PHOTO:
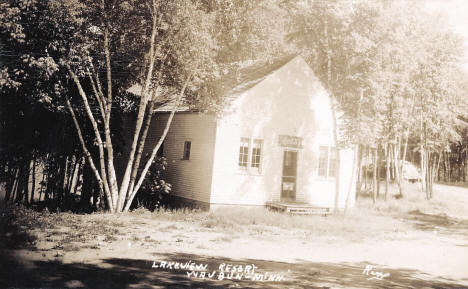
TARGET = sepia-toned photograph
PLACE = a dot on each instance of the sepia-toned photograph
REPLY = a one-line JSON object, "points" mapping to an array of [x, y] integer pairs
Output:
{"points": [[214, 144]]}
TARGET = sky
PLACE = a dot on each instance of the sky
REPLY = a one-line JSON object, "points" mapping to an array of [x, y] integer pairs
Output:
{"points": [[457, 12]]}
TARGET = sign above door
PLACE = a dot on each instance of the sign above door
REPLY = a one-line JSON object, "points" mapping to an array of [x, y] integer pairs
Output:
{"points": [[290, 141]]}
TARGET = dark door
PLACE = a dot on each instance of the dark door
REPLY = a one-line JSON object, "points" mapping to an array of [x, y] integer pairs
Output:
{"points": [[288, 183]]}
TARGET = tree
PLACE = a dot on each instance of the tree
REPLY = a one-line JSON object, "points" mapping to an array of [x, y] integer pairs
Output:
{"points": [[368, 54], [179, 50], [94, 51]]}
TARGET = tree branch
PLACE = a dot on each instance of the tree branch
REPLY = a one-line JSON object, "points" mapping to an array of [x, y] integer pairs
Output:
{"points": [[141, 144], [98, 98], [110, 151], [95, 127], [141, 111], [158, 145], [88, 154]]}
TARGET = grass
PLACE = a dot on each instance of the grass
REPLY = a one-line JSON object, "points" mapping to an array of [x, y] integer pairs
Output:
{"points": [[261, 222], [365, 220], [65, 230]]}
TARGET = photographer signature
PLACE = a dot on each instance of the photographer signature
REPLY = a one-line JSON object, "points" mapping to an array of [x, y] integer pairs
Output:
{"points": [[375, 275]]}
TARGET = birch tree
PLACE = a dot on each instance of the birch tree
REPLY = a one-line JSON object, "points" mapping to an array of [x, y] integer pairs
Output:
{"points": [[165, 45]]}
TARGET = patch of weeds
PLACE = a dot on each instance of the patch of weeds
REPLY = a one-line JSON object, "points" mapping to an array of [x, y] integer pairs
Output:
{"points": [[152, 241], [110, 238], [225, 239], [58, 246], [169, 228], [71, 248], [140, 211], [257, 230]]}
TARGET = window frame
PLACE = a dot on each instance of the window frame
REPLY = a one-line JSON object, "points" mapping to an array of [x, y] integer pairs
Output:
{"points": [[187, 152], [254, 164], [248, 164], [243, 159], [330, 151]]}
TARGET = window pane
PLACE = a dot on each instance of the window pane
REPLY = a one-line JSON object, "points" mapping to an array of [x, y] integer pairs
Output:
{"points": [[287, 158], [244, 152], [187, 147], [256, 153], [323, 161]]}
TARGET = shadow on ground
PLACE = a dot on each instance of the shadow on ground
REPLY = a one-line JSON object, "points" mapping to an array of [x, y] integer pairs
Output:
{"points": [[133, 273]]}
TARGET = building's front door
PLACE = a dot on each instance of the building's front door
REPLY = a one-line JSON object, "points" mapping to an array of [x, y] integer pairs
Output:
{"points": [[288, 183]]}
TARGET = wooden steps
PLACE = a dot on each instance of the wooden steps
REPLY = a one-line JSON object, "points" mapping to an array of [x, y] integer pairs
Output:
{"points": [[297, 208]]}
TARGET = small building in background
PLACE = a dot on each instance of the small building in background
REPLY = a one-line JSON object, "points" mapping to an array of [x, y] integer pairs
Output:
{"points": [[272, 143]]}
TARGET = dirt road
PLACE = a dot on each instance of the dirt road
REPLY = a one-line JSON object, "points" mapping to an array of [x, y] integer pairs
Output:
{"points": [[428, 250]]}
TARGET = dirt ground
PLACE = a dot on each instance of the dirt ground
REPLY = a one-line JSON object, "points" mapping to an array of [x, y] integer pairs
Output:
{"points": [[425, 246]]}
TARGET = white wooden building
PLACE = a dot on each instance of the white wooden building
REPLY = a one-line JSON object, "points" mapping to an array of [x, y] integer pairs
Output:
{"points": [[273, 143]]}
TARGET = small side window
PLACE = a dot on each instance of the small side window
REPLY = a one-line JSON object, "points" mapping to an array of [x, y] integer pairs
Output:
{"points": [[244, 152], [323, 161], [187, 147], [327, 162]]}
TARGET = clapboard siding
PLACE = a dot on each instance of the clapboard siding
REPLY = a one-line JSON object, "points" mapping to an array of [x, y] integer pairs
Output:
{"points": [[290, 101], [189, 178]]}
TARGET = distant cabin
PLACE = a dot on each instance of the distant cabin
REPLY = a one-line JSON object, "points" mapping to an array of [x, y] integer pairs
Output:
{"points": [[272, 143]]}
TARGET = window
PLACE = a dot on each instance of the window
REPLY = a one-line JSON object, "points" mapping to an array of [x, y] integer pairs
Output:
{"points": [[187, 147], [327, 162], [256, 153], [250, 153], [323, 161], [244, 152]]}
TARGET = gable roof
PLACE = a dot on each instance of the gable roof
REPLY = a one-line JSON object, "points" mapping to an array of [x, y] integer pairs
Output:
{"points": [[243, 79], [232, 84]]}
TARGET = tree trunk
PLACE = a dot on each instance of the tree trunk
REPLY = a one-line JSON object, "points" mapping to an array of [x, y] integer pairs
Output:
{"points": [[358, 145], [158, 145], [103, 174], [11, 188], [88, 155], [359, 172], [124, 192], [466, 163], [374, 175], [141, 144], [33, 184], [378, 171], [449, 154], [116, 198], [396, 147], [353, 175], [366, 177], [42, 182], [405, 148], [387, 169]]}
